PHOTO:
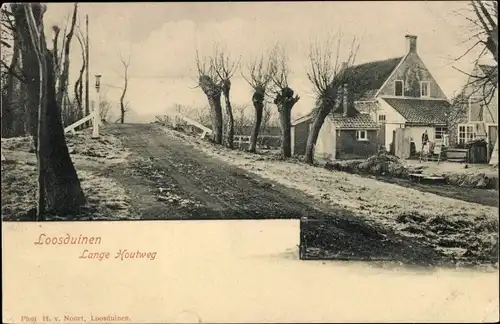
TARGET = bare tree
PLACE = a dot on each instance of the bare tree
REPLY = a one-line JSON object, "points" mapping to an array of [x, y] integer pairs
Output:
{"points": [[123, 104], [329, 78], [283, 97], [29, 68], [79, 82], [59, 186], [104, 109], [241, 119], [483, 20], [269, 120], [482, 83], [210, 84], [62, 63], [34, 24], [486, 13], [17, 119], [202, 114], [9, 72], [225, 68], [259, 78]]}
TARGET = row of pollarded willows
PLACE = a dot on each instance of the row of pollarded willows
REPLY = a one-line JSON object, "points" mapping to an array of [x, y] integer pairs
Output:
{"points": [[268, 76]]}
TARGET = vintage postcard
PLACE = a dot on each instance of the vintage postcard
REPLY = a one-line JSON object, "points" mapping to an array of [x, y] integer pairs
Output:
{"points": [[250, 162]]}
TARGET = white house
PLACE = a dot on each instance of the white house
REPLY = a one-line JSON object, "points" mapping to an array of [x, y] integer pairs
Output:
{"points": [[382, 97]]}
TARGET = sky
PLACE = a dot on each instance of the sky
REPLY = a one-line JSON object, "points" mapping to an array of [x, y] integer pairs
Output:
{"points": [[162, 39]]}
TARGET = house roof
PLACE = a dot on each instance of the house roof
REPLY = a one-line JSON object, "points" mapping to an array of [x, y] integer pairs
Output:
{"points": [[366, 106], [366, 79], [360, 121], [364, 82], [302, 119], [420, 111]]}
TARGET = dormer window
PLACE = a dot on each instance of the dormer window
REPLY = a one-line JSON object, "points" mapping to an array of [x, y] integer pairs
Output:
{"points": [[398, 88], [425, 87]]}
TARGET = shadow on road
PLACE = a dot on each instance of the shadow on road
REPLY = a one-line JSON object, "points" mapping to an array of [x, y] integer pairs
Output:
{"points": [[348, 239]]}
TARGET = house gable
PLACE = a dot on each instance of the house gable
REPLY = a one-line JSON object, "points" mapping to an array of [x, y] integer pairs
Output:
{"points": [[480, 95], [468, 105], [412, 71]]}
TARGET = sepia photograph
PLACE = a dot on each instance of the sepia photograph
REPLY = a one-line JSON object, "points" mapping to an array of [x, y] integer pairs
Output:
{"points": [[371, 127], [190, 123]]}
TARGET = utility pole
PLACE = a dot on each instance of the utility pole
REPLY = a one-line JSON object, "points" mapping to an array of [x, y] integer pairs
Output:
{"points": [[87, 102], [96, 112]]}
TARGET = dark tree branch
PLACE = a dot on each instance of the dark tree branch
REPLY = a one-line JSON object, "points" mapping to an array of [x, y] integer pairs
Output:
{"points": [[10, 70]]}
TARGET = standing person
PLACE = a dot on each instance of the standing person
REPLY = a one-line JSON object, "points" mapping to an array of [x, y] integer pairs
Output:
{"points": [[424, 148], [413, 149], [425, 138]]}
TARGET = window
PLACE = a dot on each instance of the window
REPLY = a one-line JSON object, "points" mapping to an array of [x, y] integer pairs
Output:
{"points": [[465, 133], [398, 88], [425, 89], [361, 135], [439, 133], [381, 118]]}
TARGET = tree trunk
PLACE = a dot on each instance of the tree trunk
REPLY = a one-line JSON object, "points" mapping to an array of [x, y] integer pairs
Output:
{"points": [[61, 185], [229, 111], [8, 104], [78, 100], [286, 139], [63, 190], [213, 93], [318, 122], [285, 102], [30, 69], [79, 82], [214, 102], [63, 83], [122, 112], [259, 108], [43, 144], [7, 117], [122, 98], [21, 126]]}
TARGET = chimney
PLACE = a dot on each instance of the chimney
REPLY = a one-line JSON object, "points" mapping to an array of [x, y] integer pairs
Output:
{"points": [[344, 100], [411, 43]]}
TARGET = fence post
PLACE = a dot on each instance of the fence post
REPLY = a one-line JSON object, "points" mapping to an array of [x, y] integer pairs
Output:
{"points": [[95, 122], [97, 113]]}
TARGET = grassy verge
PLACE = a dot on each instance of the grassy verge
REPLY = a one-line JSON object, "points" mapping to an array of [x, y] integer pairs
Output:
{"points": [[455, 229], [106, 200]]}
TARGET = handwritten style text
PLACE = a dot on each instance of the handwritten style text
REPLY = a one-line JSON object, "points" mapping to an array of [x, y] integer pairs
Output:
{"points": [[67, 239], [121, 255]]}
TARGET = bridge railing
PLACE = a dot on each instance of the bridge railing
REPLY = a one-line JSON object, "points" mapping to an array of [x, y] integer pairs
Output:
{"points": [[96, 122], [176, 119]]}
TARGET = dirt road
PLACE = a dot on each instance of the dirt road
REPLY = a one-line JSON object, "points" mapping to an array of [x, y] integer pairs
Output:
{"points": [[167, 180], [171, 181]]}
